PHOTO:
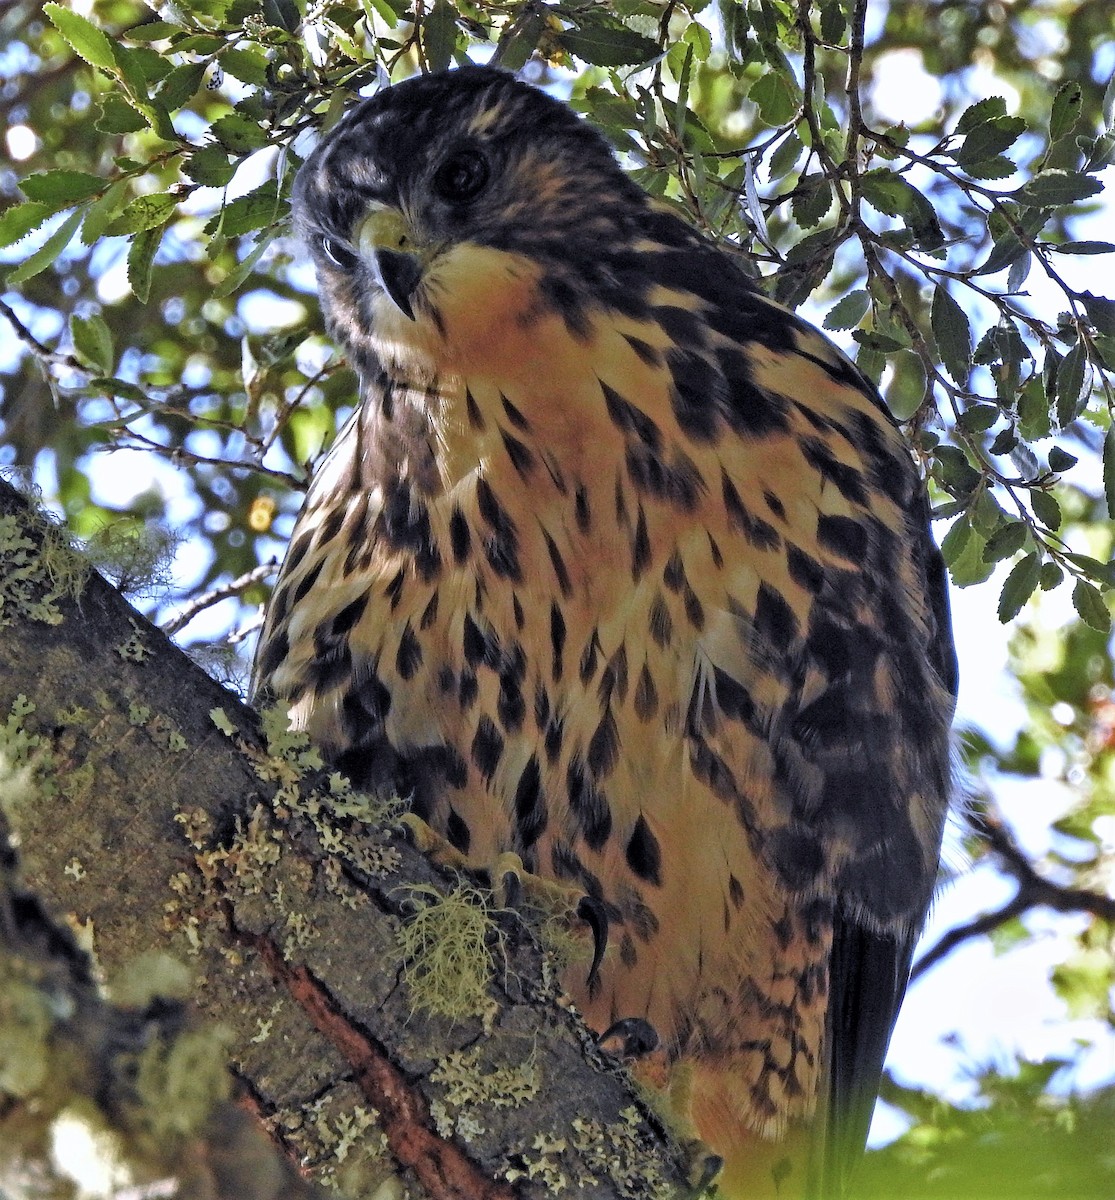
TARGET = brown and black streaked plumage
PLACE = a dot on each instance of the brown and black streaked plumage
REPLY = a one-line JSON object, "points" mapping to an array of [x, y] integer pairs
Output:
{"points": [[625, 569]]}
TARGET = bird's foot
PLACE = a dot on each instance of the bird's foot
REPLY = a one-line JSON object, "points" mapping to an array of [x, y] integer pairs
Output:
{"points": [[702, 1167], [632, 1037]]}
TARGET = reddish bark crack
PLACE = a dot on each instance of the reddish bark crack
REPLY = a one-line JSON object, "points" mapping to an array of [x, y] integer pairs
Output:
{"points": [[441, 1167]]}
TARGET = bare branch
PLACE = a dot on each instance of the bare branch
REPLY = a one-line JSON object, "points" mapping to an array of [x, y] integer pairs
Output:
{"points": [[215, 595]]}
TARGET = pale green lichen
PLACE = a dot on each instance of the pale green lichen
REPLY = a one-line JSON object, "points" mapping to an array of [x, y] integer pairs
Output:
{"points": [[38, 568], [153, 973], [133, 648], [620, 1151], [138, 714], [469, 1090], [446, 947], [25, 761], [137, 556]]}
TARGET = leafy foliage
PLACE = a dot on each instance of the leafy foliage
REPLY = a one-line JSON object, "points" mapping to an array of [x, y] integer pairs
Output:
{"points": [[160, 312]]}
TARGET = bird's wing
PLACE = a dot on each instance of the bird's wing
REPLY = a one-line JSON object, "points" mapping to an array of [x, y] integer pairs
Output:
{"points": [[844, 657]]}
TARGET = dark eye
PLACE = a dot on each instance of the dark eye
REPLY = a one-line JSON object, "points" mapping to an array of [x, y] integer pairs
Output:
{"points": [[338, 255], [461, 176]]}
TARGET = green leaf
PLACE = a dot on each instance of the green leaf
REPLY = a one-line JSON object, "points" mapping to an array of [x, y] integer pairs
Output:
{"points": [[1109, 470], [144, 212], [238, 274], [239, 134], [1061, 460], [1051, 576], [776, 98], [181, 84], [1070, 384], [85, 39], [812, 199], [983, 110], [101, 212], [282, 14], [1082, 247], [1053, 188], [783, 159], [833, 22], [439, 35], [886, 191], [141, 257], [19, 220], [251, 211], [1006, 541], [118, 116], [978, 417], [849, 311], [48, 251], [988, 140], [209, 166], [1090, 604], [1019, 586], [61, 188], [1066, 109], [955, 541], [955, 473], [249, 66], [1046, 509], [605, 44], [953, 334], [968, 567], [1101, 311], [92, 340]]}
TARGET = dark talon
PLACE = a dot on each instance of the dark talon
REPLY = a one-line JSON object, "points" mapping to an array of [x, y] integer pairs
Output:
{"points": [[512, 889], [595, 915], [704, 1170], [636, 1037]]}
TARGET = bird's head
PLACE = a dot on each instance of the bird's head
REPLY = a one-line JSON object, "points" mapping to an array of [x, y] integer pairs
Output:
{"points": [[456, 202]]}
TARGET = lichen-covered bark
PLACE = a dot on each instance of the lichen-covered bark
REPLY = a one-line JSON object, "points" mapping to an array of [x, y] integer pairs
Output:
{"points": [[162, 819]]}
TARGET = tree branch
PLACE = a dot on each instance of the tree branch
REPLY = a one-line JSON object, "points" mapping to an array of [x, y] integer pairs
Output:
{"points": [[162, 815]]}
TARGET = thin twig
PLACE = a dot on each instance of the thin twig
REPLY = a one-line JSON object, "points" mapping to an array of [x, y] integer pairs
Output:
{"points": [[41, 351], [224, 592]]}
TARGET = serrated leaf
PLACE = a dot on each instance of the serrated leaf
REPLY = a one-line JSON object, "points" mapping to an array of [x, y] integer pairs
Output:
{"points": [[982, 110], [812, 199], [953, 334], [181, 84], [1109, 470], [886, 191], [1007, 540], [1101, 311], [954, 542], [251, 211], [141, 257], [282, 14], [849, 311], [1053, 188], [783, 159], [144, 212], [101, 212], [48, 251], [249, 66], [1019, 586], [84, 38], [833, 22], [118, 116], [776, 98], [1070, 384], [19, 220], [989, 139], [978, 417], [1051, 576], [92, 340], [999, 167], [439, 35], [608, 45], [1066, 109], [1046, 509], [1061, 460], [968, 567], [61, 188], [1089, 603], [209, 166], [1086, 247], [1019, 271], [239, 134]]}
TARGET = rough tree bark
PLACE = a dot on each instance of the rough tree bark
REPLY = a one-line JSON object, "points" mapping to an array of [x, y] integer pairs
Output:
{"points": [[146, 803]]}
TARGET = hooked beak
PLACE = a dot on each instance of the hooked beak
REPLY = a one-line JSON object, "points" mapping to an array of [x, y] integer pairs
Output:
{"points": [[387, 243]]}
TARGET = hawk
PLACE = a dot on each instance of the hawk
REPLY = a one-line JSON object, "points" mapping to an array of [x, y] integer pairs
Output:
{"points": [[624, 569]]}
